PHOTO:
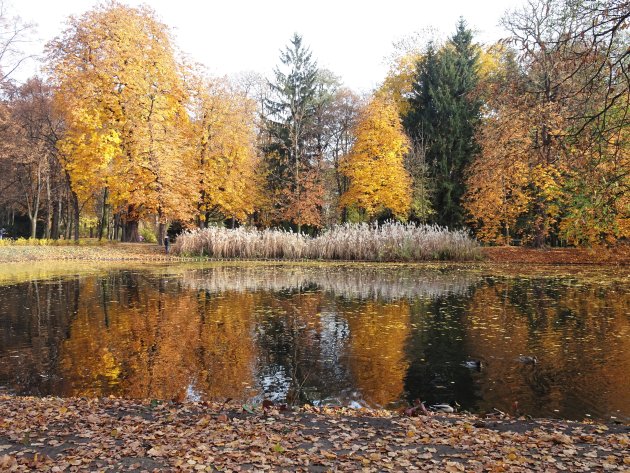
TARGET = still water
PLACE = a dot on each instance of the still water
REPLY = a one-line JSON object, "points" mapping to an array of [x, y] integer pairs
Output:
{"points": [[340, 334]]}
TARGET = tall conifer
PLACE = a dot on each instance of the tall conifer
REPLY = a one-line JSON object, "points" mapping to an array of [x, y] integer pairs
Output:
{"points": [[444, 115]]}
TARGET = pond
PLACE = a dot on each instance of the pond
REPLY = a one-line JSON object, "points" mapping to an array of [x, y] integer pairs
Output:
{"points": [[373, 335]]}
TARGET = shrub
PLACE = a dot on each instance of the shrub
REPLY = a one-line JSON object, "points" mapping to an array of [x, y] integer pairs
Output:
{"points": [[148, 235], [51, 242]]}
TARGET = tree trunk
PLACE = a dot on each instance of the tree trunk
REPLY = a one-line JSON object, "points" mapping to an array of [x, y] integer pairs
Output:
{"points": [[297, 185], [116, 225], [68, 227], [200, 213], [75, 208], [132, 234], [161, 228], [33, 219], [55, 220], [161, 233], [49, 206], [507, 233], [101, 225], [540, 228]]}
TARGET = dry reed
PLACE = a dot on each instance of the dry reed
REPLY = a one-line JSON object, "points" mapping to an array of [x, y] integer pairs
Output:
{"points": [[391, 241]]}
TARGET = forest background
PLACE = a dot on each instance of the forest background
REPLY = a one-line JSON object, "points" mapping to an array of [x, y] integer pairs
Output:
{"points": [[522, 141]]}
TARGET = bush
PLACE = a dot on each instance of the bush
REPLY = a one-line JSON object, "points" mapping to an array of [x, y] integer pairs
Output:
{"points": [[359, 242], [51, 242], [148, 235]]}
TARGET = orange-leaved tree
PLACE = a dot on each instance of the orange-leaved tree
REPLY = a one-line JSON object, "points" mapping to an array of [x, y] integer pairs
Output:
{"points": [[374, 166], [120, 90], [225, 157]]}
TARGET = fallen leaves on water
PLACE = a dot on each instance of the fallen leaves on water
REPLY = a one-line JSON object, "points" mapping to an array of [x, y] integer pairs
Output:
{"points": [[66, 435]]}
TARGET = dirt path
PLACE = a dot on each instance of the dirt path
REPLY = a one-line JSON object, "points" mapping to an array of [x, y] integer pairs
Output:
{"points": [[53, 434]]}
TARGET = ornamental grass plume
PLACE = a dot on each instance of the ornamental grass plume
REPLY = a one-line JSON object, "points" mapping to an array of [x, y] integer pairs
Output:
{"points": [[391, 241]]}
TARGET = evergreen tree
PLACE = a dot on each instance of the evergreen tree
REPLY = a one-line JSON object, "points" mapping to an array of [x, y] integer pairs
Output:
{"points": [[290, 116], [444, 115]]}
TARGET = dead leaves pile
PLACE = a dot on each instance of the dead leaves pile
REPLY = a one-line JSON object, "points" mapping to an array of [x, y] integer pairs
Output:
{"points": [[52, 434]]}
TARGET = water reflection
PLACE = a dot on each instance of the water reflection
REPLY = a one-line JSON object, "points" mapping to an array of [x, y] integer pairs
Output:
{"points": [[353, 282], [322, 334]]}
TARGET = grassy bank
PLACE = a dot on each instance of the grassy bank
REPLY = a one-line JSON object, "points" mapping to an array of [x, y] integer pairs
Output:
{"points": [[356, 242], [53, 434], [86, 251], [34, 250]]}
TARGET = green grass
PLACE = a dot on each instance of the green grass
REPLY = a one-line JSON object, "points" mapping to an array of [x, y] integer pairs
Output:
{"points": [[49, 242]]}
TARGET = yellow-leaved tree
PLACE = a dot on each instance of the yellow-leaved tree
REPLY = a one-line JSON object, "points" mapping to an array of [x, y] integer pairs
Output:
{"points": [[120, 91], [225, 156], [374, 165]]}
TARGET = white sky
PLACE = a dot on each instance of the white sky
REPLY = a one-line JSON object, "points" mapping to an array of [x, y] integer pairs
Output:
{"points": [[352, 38]]}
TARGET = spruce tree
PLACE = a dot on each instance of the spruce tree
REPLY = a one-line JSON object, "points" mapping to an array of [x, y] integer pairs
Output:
{"points": [[444, 115], [288, 122]]}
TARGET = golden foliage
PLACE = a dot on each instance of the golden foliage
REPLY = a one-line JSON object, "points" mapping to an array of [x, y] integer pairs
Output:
{"points": [[225, 151], [398, 83], [120, 91], [378, 179], [547, 169], [516, 174], [303, 208]]}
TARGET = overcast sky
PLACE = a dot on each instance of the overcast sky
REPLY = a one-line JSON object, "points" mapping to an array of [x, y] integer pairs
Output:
{"points": [[352, 38]]}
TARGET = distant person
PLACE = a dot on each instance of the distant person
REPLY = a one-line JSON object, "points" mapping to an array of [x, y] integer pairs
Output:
{"points": [[166, 243]]}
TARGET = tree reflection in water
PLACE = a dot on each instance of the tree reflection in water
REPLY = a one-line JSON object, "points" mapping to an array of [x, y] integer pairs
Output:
{"points": [[378, 336]]}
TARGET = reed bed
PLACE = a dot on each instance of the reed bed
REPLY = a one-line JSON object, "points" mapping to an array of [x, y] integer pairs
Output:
{"points": [[391, 241]]}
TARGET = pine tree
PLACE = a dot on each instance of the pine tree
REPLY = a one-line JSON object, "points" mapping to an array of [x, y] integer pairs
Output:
{"points": [[444, 115]]}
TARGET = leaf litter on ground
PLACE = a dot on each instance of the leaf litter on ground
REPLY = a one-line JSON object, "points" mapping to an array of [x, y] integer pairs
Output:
{"points": [[125, 435]]}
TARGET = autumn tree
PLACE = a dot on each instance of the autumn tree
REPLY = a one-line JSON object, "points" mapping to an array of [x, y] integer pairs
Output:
{"points": [[399, 85], [22, 169], [378, 181], [343, 112], [403, 65], [443, 118], [225, 152], [555, 141], [120, 91], [29, 160], [499, 180]]}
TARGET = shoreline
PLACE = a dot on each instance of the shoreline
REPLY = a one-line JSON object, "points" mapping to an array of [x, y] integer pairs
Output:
{"points": [[152, 253], [78, 434]]}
